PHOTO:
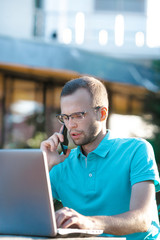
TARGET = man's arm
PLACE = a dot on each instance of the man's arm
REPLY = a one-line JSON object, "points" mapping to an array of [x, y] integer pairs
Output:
{"points": [[137, 219]]}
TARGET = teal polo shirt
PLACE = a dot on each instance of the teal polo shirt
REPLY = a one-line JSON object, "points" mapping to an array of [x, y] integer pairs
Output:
{"points": [[100, 184]]}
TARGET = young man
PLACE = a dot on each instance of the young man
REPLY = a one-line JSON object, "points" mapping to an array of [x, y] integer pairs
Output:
{"points": [[105, 183]]}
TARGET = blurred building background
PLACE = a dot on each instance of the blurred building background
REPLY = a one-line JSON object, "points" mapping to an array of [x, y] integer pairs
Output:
{"points": [[124, 28], [44, 43]]}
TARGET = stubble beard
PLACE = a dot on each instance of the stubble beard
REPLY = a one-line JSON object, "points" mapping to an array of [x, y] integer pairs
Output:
{"points": [[88, 137]]}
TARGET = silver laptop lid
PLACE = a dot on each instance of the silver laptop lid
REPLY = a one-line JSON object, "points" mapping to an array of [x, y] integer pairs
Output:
{"points": [[26, 205]]}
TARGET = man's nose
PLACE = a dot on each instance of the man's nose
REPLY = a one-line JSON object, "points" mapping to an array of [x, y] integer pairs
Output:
{"points": [[71, 123]]}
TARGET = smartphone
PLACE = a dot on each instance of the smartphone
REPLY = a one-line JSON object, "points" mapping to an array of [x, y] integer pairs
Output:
{"points": [[64, 144]]}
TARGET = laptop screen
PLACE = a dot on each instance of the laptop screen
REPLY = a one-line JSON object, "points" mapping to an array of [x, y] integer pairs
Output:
{"points": [[26, 205]]}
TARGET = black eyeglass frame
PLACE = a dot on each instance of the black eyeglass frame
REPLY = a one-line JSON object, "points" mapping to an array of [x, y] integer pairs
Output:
{"points": [[60, 116]]}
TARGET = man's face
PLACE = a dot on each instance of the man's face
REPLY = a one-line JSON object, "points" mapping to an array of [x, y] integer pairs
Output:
{"points": [[86, 130]]}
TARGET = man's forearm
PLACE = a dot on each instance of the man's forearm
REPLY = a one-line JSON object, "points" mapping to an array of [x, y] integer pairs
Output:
{"points": [[122, 224]]}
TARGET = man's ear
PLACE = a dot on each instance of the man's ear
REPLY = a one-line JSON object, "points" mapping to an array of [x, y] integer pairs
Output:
{"points": [[104, 113]]}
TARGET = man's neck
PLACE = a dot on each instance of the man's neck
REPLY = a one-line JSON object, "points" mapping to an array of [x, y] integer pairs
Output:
{"points": [[86, 149]]}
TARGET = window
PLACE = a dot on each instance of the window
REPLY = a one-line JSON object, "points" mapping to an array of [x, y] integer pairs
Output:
{"points": [[28, 110], [24, 112], [120, 5]]}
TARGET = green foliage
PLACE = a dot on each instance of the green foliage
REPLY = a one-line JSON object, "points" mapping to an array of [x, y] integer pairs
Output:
{"points": [[155, 142], [152, 108], [152, 115], [36, 140], [156, 65]]}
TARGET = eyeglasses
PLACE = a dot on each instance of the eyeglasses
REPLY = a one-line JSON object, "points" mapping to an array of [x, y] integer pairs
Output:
{"points": [[77, 116]]}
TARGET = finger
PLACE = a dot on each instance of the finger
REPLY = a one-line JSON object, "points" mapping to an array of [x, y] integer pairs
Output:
{"points": [[58, 212], [60, 220], [49, 144], [53, 141], [46, 145], [61, 129], [70, 222], [62, 216], [59, 137]]}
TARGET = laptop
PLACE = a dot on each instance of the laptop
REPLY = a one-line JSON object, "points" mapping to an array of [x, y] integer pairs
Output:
{"points": [[26, 203]]}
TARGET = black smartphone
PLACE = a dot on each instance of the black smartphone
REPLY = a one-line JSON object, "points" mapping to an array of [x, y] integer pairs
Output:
{"points": [[64, 144]]}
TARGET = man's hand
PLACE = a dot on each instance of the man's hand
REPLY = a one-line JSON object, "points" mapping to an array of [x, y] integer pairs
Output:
{"points": [[68, 218], [137, 219], [50, 146]]}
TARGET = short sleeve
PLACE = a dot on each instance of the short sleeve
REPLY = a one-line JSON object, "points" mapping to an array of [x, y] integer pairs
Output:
{"points": [[143, 164]]}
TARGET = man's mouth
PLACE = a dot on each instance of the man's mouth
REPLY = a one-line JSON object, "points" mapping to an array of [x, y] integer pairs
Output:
{"points": [[75, 135]]}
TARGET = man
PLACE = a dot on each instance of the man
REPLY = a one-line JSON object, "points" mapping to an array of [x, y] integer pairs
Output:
{"points": [[105, 183]]}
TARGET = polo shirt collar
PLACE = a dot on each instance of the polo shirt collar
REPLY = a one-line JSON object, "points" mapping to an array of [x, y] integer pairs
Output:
{"points": [[104, 146]]}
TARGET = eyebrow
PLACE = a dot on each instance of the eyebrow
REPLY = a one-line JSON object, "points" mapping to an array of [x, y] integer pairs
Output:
{"points": [[64, 114]]}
